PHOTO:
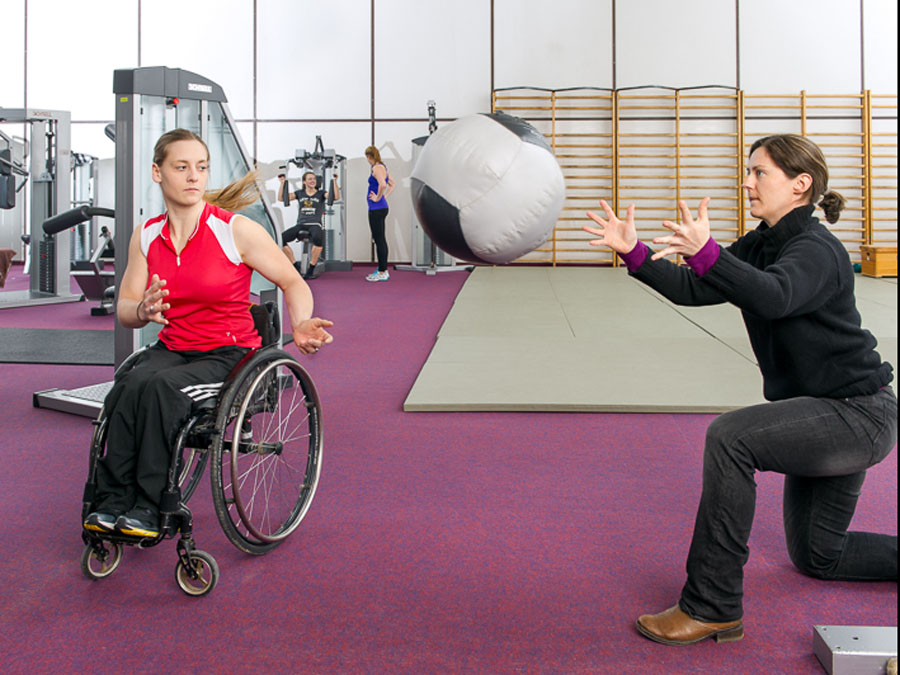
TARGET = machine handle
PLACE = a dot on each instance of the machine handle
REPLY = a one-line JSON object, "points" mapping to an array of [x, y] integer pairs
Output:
{"points": [[71, 218]]}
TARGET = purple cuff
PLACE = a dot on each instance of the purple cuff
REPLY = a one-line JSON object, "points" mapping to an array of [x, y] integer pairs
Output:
{"points": [[705, 258], [635, 257]]}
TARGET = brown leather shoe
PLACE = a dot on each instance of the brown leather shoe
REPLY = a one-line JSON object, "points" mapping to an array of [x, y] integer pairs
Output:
{"points": [[674, 627]]}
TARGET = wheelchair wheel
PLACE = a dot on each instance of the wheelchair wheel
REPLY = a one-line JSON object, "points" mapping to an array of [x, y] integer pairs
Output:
{"points": [[267, 461], [100, 560], [200, 577]]}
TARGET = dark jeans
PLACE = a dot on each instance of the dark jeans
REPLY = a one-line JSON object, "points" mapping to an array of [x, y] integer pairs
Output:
{"points": [[146, 407], [823, 446], [376, 224]]}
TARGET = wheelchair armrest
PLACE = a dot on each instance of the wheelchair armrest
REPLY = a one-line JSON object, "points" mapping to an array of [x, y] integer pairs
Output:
{"points": [[265, 320]]}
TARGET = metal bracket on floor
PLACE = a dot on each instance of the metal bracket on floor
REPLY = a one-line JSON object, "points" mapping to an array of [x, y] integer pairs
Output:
{"points": [[843, 650]]}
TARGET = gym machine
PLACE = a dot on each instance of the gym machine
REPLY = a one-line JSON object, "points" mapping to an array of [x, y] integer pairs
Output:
{"points": [[325, 163], [11, 165], [50, 156], [427, 257], [149, 102], [93, 278]]}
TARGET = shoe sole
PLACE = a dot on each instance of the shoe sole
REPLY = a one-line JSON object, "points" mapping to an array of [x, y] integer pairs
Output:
{"points": [[135, 532], [725, 635], [98, 528]]}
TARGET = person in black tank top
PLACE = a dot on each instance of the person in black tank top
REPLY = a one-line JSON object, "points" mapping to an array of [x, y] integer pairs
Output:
{"points": [[311, 201]]}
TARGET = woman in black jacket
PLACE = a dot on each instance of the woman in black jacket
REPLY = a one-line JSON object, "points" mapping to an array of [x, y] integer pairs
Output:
{"points": [[831, 414]]}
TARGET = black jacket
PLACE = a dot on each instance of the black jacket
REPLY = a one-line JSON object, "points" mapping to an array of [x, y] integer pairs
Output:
{"points": [[794, 286]]}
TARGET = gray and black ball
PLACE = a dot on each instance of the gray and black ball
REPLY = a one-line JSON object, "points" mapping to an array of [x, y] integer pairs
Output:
{"points": [[487, 188]]}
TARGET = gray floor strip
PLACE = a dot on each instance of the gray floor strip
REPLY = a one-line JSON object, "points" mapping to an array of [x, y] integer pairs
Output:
{"points": [[595, 340]]}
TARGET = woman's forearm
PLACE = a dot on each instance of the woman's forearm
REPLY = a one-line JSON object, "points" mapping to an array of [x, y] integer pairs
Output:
{"points": [[128, 313]]}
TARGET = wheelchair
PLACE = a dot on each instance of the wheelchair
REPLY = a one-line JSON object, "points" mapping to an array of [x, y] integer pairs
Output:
{"points": [[262, 436]]}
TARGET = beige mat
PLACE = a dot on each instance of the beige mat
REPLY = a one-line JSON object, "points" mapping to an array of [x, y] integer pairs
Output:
{"points": [[593, 339]]}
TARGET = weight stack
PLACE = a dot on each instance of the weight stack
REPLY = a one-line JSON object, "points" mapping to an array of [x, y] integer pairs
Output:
{"points": [[47, 250]]}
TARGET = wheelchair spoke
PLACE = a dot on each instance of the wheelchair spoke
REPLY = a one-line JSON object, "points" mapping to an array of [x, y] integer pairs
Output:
{"points": [[268, 479]]}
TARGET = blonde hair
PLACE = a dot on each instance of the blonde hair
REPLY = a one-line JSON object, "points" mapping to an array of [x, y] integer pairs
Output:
{"points": [[235, 196], [372, 152]]}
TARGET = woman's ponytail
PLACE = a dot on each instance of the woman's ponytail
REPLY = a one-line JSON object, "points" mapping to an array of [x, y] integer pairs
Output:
{"points": [[832, 204], [237, 194]]}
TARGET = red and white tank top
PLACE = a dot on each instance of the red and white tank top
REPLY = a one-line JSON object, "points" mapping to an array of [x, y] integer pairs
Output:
{"points": [[208, 283]]}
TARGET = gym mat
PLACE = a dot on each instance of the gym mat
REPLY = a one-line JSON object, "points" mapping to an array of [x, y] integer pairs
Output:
{"points": [[56, 346], [595, 340]]}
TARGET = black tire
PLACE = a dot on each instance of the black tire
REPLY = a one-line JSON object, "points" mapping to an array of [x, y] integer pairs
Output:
{"points": [[263, 486], [100, 565], [201, 578]]}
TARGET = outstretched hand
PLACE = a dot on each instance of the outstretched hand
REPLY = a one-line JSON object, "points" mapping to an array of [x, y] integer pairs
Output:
{"points": [[688, 237], [310, 335], [619, 235], [151, 306]]}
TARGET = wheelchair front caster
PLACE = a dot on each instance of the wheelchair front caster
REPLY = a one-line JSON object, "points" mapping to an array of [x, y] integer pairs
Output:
{"points": [[200, 576], [100, 559]]}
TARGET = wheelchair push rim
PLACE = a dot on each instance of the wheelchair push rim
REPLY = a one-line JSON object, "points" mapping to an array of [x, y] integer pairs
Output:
{"points": [[268, 474]]}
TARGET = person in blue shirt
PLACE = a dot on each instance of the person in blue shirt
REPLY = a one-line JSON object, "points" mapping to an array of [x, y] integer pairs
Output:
{"points": [[380, 186]]}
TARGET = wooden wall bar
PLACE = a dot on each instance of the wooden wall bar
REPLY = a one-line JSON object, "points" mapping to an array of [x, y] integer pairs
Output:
{"points": [[653, 146]]}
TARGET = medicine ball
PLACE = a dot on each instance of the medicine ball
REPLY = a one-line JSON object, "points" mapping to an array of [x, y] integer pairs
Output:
{"points": [[487, 188]]}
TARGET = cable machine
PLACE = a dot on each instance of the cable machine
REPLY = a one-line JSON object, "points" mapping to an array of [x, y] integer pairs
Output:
{"points": [[325, 163], [50, 155], [427, 257]]}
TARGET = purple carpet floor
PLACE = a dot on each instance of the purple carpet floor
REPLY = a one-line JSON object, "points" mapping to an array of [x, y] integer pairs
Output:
{"points": [[437, 542]]}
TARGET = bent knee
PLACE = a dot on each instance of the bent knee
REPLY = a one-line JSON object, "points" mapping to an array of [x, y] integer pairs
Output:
{"points": [[812, 565], [723, 437]]}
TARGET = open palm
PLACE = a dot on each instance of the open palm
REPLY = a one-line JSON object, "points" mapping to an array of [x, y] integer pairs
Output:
{"points": [[619, 235]]}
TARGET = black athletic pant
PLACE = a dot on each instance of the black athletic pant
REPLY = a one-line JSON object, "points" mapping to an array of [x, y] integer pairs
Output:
{"points": [[823, 446], [146, 407], [316, 233], [376, 224]]}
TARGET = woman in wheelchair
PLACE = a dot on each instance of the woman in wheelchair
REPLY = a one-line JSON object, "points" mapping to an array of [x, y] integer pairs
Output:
{"points": [[189, 270]]}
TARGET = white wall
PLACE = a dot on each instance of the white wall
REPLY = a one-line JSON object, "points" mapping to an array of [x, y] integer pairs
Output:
{"points": [[211, 37], [880, 46], [675, 44], [811, 45], [12, 84], [563, 43], [313, 59], [307, 71]]}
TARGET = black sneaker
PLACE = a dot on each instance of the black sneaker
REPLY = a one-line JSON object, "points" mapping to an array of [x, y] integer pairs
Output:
{"points": [[98, 521], [299, 268], [139, 522], [312, 271]]}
